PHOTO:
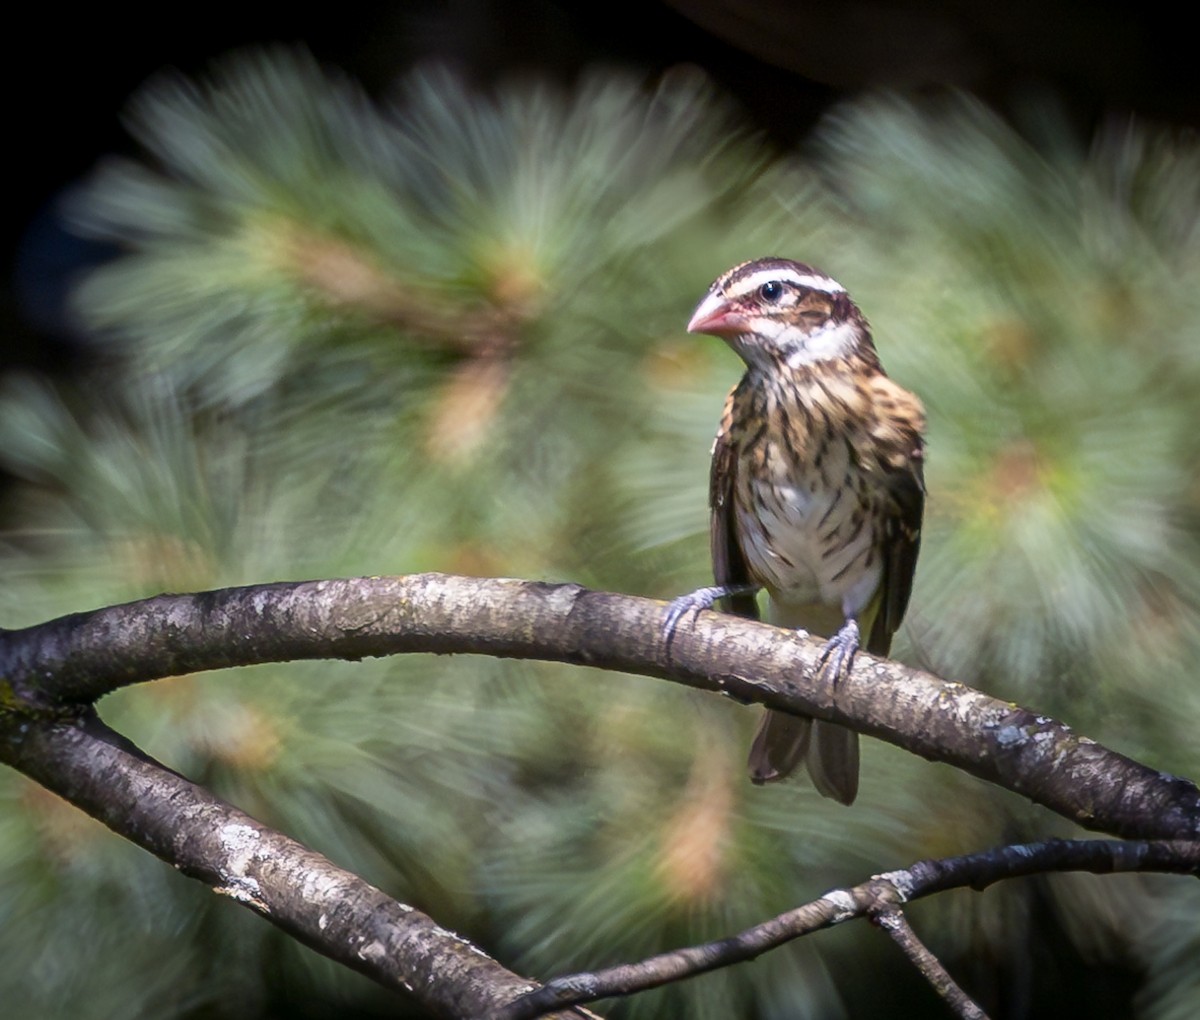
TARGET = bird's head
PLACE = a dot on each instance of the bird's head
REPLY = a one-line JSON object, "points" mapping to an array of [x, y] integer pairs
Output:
{"points": [[775, 311]]}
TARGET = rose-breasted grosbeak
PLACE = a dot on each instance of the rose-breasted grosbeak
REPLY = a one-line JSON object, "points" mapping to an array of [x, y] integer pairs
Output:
{"points": [[816, 490]]}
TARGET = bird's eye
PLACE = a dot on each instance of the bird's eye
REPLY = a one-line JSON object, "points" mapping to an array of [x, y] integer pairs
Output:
{"points": [[771, 291]]}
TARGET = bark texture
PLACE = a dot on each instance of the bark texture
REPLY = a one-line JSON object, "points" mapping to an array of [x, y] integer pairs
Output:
{"points": [[57, 666]]}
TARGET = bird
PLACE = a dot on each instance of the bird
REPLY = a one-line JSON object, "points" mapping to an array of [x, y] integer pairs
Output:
{"points": [[816, 491]]}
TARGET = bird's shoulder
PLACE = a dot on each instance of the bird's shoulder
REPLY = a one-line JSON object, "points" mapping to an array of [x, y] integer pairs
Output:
{"points": [[894, 442], [898, 414]]}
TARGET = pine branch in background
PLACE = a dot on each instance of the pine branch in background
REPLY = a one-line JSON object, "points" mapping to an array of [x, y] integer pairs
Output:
{"points": [[1042, 308], [446, 333]]}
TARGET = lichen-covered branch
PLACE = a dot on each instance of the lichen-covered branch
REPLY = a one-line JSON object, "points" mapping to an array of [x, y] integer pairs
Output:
{"points": [[879, 895], [76, 659], [330, 909]]}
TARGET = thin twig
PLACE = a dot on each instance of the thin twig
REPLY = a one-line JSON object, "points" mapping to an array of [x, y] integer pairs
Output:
{"points": [[885, 891], [893, 921]]}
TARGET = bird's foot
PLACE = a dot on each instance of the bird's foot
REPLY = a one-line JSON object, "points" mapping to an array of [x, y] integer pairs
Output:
{"points": [[839, 651], [695, 602]]}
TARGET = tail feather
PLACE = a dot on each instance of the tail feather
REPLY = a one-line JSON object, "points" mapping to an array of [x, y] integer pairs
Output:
{"points": [[830, 752], [779, 745], [833, 761]]}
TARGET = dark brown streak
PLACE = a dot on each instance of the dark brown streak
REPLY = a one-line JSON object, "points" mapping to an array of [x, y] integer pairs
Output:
{"points": [[841, 573], [837, 499], [822, 449], [785, 430], [858, 518]]}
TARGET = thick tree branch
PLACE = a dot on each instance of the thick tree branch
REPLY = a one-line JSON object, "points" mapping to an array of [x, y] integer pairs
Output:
{"points": [[881, 894], [76, 659], [50, 675], [329, 909]]}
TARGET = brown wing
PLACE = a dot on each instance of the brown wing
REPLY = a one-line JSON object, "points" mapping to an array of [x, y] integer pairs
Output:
{"points": [[904, 470], [729, 565]]}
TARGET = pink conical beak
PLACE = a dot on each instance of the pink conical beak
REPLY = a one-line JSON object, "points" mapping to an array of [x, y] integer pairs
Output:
{"points": [[715, 316]]}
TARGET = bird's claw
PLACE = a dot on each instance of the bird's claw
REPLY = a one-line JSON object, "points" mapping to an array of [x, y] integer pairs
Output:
{"points": [[690, 604], [695, 602], [840, 650]]}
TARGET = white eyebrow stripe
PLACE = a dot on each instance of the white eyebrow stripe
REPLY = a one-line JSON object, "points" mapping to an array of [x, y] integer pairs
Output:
{"points": [[822, 283], [783, 273]]}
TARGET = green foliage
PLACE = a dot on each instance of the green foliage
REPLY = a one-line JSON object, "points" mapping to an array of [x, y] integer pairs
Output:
{"points": [[1046, 326], [446, 333]]}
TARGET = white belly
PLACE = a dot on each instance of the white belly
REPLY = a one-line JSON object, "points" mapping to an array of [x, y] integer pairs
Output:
{"points": [[808, 545]]}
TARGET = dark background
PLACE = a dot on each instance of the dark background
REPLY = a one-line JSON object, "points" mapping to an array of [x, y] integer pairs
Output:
{"points": [[786, 63]]}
